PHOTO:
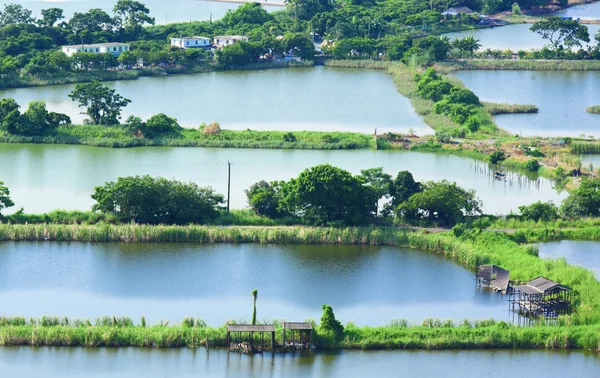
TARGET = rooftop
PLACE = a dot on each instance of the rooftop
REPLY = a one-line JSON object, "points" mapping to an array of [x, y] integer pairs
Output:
{"points": [[541, 285], [94, 45], [231, 37], [195, 37], [250, 328], [297, 325], [496, 276], [459, 10]]}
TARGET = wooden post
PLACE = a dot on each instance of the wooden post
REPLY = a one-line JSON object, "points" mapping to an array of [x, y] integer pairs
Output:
{"points": [[228, 185], [272, 340], [228, 339], [283, 335]]}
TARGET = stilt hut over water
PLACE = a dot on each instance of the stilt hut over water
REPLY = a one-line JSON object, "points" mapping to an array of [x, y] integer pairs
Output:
{"points": [[300, 335], [493, 277], [244, 336], [542, 297]]}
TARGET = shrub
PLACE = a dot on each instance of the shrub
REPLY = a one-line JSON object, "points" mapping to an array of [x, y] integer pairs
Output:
{"points": [[212, 129], [289, 137], [473, 124], [161, 123], [539, 211], [532, 165], [497, 156]]}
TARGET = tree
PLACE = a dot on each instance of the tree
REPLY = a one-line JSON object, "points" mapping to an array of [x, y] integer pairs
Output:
{"points": [[14, 14], [329, 325], [263, 199], [299, 44], [467, 45], [132, 15], [558, 32], [102, 103], [35, 118], [161, 123], [247, 14], [539, 211], [254, 296], [148, 200], [379, 181], [583, 201], [441, 202], [5, 201], [496, 157], [307, 9], [127, 58], [403, 187], [238, 54], [324, 194], [51, 16]]}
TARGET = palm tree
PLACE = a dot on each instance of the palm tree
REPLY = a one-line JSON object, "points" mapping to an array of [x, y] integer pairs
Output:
{"points": [[467, 45], [254, 295]]}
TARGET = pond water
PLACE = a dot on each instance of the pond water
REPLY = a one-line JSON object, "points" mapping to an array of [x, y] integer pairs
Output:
{"points": [[132, 363], [582, 253], [512, 37], [561, 96], [365, 284], [585, 11], [47, 177], [317, 98], [163, 11]]}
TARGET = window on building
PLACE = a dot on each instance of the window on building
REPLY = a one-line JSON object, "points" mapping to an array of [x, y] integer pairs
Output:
{"points": [[120, 49], [97, 49]]}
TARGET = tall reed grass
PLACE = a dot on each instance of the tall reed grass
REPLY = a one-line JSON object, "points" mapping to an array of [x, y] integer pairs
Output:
{"points": [[594, 109], [193, 333], [496, 109], [590, 148], [521, 64]]}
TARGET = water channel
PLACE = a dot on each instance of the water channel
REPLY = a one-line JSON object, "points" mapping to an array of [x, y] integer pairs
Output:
{"points": [[582, 253], [47, 177], [163, 11], [513, 37], [183, 363], [365, 284], [317, 98], [561, 96]]}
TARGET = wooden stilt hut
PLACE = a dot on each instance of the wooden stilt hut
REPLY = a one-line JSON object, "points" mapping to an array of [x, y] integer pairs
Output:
{"points": [[300, 335], [244, 337], [492, 277], [542, 297]]}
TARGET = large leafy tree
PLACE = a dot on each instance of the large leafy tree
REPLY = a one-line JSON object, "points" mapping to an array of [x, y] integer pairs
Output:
{"points": [[263, 199], [307, 9], [441, 203], [583, 201], [247, 14], [51, 16], [324, 194], [403, 187], [149, 200], [379, 181], [5, 200], [467, 45], [561, 32], [132, 13], [14, 14], [103, 105]]}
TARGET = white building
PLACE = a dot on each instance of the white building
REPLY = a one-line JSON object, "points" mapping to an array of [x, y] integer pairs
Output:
{"points": [[114, 48], [456, 11], [190, 42], [227, 40]]}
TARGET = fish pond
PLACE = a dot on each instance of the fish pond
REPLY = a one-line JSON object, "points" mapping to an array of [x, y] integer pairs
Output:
{"points": [[47, 177], [368, 285], [183, 363]]}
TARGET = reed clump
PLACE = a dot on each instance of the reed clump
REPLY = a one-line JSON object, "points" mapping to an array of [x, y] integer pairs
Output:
{"points": [[193, 333], [585, 148], [594, 109], [497, 109]]}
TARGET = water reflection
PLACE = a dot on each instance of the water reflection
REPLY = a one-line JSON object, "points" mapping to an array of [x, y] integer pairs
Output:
{"points": [[366, 284]]}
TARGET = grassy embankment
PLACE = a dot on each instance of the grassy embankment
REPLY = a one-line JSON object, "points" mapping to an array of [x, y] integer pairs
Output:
{"points": [[579, 330], [118, 136], [520, 64], [87, 76]]}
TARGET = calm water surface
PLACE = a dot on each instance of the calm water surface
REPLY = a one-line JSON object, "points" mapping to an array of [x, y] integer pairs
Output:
{"points": [[365, 284], [512, 37], [289, 99], [163, 11], [147, 363], [46, 177], [587, 11], [561, 97], [582, 253]]}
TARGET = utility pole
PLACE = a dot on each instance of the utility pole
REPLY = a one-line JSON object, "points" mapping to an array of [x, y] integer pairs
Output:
{"points": [[228, 185]]}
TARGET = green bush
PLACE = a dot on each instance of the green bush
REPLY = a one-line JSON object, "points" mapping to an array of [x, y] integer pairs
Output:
{"points": [[532, 165], [497, 156]]}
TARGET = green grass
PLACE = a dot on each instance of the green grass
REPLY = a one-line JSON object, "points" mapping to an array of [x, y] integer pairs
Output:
{"points": [[594, 109], [521, 64], [71, 77], [496, 109], [433, 334], [579, 148], [120, 137]]}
